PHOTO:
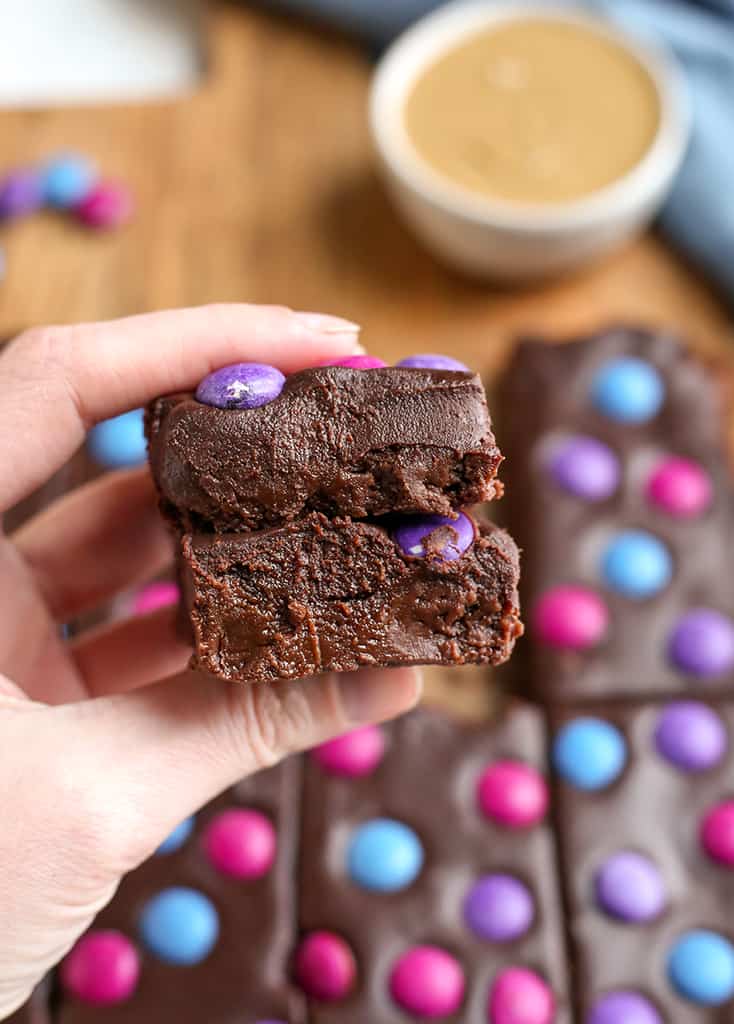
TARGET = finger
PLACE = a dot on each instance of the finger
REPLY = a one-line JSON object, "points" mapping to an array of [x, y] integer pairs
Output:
{"points": [[123, 656], [58, 381], [95, 542], [165, 750]]}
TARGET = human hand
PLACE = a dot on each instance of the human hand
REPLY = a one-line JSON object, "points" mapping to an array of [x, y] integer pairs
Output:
{"points": [[98, 763]]}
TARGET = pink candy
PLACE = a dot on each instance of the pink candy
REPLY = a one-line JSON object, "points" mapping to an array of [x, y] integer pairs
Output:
{"points": [[681, 488], [102, 968], [519, 996], [359, 362], [570, 618], [241, 843], [325, 966], [428, 982], [717, 833], [513, 794], [355, 754], [162, 594], [108, 205]]}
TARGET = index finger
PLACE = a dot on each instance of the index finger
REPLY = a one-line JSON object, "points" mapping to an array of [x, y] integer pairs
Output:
{"points": [[57, 382]]}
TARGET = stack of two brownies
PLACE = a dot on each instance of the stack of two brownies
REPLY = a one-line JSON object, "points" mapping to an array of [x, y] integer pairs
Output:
{"points": [[322, 519]]}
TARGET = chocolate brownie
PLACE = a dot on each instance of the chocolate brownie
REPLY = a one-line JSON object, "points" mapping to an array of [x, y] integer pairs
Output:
{"points": [[203, 930], [646, 823], [336, 440], [620, 496], [320, 595], [428, 881]]}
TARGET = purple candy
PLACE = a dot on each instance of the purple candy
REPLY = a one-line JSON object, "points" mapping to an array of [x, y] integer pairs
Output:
{"points": [[690, 735], [21, 192], [499, 908], [433, 361], [585, 468], [702, 643], [241, 386], [630, 887], [412, 533], [623, 1008]]}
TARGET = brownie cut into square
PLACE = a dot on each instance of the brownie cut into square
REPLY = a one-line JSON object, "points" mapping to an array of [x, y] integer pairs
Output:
{"points": [[335, 595], [335, 440], [619, 493], [644, 809], [434, 833], [234, 863]]}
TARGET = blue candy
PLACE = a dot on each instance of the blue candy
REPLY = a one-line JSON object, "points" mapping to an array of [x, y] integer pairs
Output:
{"points": [[589, 753], [384, 855], [67, 180], [177, 838], [119, 442], [179, 925], [628, 390], [701, 967], [637, 564]]}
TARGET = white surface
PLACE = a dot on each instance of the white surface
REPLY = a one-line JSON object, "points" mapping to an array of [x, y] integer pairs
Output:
{"points": [[514, 241], [55, 52]]}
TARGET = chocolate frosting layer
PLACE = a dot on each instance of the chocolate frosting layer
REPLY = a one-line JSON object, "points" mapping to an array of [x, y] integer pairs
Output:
{"points": [[337, 440], [333, 595]]}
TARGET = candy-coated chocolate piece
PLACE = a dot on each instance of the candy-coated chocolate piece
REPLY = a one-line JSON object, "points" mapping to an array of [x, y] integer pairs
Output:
{"points": [[241, 843], [681, 488], [513, 794], [628, 390], [570, 618], [630, 887], [359, 362], [701, 967], [499, 908], [161, 594], [176, 839], [520, 996], [691, 735], [702, 643], [102, 969], [384, 855], [428, 982], [416, 536], [108, 205], [325, 966], [352, 755], [717, 834], [68, 179], [241, 386], [637, 564], [433, 361], [623, 1008], [179, 925], [585, 468], [21, 192], [589, 753], [119, 442]]}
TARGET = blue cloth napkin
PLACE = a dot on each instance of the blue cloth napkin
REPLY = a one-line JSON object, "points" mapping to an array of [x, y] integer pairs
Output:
{"points": [[699, 214]]}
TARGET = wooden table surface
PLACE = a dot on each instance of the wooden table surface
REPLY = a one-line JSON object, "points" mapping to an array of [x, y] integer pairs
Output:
{"points": [[260, 187]]}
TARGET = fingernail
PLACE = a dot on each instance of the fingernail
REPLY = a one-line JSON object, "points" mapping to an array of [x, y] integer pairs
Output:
{"points": [[323, 324], [375, 696]]}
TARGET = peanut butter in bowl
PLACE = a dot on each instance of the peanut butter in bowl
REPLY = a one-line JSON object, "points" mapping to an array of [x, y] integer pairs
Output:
{"points": [[534, 110], [519, 140]]}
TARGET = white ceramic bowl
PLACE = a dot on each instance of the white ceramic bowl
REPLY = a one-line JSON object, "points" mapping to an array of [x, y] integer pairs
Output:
{"points": [[512, 241]]}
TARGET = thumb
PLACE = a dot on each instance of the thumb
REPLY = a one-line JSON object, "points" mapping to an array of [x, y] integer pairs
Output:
{"points": [[160, 753], [89, 790]]}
